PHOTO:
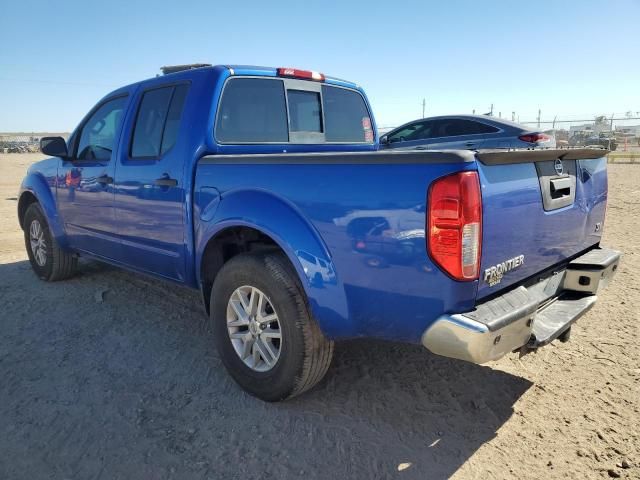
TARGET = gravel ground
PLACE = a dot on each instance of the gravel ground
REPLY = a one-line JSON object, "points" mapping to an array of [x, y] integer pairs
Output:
{"points": [[114, 375]]}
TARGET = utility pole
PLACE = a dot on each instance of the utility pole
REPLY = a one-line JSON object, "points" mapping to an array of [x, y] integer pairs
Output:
{"points": [[539, 113], [499, 114], [424, 105], [611, 131], [513, 116], [491, 114]]}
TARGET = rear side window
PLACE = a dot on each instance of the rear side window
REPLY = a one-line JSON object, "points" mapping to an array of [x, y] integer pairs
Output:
{"points": [[173, 118], [458, 127], [157, 122], [252, 110], [346, 116]]}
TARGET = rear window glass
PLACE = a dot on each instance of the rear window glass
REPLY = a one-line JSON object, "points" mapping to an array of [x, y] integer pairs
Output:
{"points": [[304, 111], [346, 116], [252, 110]]}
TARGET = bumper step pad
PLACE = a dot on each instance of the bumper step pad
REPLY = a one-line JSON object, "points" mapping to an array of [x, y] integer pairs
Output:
{"points": [[556, 318]]}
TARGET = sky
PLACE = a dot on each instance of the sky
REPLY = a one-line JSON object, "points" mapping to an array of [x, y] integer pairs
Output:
{"points": [[570, 58]]}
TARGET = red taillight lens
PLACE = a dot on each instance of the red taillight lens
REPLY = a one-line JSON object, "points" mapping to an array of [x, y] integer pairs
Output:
{"points": [[454, 225], [304, 74], [535, 137]]}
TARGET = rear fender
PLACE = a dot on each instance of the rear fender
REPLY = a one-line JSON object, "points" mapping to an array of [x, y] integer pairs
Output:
{"points": [[287, 227], [36, 185]]}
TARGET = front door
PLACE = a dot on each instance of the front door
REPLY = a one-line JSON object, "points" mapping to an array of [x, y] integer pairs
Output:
{"points": [[85, 181], [149, 185]]}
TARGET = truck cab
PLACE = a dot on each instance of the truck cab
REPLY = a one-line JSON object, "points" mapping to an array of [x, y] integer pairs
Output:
{"points": [[122, 189]]}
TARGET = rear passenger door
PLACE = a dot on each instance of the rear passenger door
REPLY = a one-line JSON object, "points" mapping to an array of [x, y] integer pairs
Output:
{"points": [[149, 184]]}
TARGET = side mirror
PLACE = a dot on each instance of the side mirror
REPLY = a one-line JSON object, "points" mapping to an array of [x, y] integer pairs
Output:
{"points": [[54, 146], [384, 140]]}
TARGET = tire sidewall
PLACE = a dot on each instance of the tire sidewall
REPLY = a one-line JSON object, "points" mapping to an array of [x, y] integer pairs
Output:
{"points": [[276, 282], [34, 212]]}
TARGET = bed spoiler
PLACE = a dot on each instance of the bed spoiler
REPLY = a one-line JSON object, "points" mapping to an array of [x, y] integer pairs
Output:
{"points": [[505, 157]]}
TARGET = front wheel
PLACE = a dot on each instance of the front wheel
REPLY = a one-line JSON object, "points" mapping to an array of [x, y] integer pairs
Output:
{"points": [[263, 329], [47, 259]]}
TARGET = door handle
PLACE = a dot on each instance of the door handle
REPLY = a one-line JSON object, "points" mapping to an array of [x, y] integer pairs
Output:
{"points": [[104, 179], [470, 144], [165, 181]]}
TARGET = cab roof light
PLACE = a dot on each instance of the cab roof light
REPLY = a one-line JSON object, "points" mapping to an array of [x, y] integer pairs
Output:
{"points": [[303, 74]]}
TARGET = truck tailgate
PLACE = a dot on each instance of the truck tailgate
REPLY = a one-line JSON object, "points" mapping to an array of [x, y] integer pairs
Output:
{"points": [[540, 208]]}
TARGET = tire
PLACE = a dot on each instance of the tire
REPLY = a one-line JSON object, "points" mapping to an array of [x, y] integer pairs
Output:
{"points": [[303, 352], [48, 260]]}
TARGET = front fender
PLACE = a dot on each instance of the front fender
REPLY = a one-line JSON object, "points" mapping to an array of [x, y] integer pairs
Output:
{"points": [[297, 237], [42, 187]]}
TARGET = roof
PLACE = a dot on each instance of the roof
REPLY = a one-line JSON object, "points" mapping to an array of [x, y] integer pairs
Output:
{"points": [[481, 118], [237, 70]]}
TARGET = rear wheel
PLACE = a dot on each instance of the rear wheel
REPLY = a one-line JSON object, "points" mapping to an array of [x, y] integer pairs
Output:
{"points": [[264, 331], [47, 259]]}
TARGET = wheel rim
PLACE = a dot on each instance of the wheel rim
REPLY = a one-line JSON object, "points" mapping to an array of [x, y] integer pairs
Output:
{"points": [[38, 244], [254, 328]]}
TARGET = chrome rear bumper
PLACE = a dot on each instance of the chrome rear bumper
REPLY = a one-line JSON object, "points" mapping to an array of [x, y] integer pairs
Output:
{"points": [[525, 317]]}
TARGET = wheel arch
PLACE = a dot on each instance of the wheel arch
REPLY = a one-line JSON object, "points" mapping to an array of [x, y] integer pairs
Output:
{"points": [[252, 220], [36, 189]]}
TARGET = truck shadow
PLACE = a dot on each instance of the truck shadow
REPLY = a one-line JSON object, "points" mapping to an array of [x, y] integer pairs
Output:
{"points": [[426, 413], [113, 372]]}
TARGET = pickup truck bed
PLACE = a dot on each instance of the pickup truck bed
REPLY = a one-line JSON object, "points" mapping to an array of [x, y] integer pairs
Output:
{"points": [[363, 215]]}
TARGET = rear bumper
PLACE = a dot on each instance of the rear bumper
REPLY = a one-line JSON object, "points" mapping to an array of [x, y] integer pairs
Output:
{"points": [[525, 317]]}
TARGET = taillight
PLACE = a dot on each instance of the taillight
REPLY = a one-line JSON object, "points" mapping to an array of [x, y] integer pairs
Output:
{"points": [[535, 137], [454, 224], [303, 74]]}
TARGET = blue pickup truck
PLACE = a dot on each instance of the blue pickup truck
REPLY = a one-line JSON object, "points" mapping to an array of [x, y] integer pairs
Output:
{"points": [[264, 189]]}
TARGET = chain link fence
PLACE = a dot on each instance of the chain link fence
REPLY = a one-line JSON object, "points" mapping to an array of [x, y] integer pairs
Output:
{"points": [[618, 133], [24, 142]]}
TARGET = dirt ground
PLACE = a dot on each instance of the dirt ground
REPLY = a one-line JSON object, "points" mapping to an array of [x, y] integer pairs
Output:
{"points": [[113, 375]]}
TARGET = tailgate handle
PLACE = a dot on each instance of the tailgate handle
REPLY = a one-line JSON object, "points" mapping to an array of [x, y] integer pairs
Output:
{"points": [[560, 187]]}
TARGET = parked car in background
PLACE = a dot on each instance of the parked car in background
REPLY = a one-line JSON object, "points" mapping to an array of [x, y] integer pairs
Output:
{"points": [[465, 132]]}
